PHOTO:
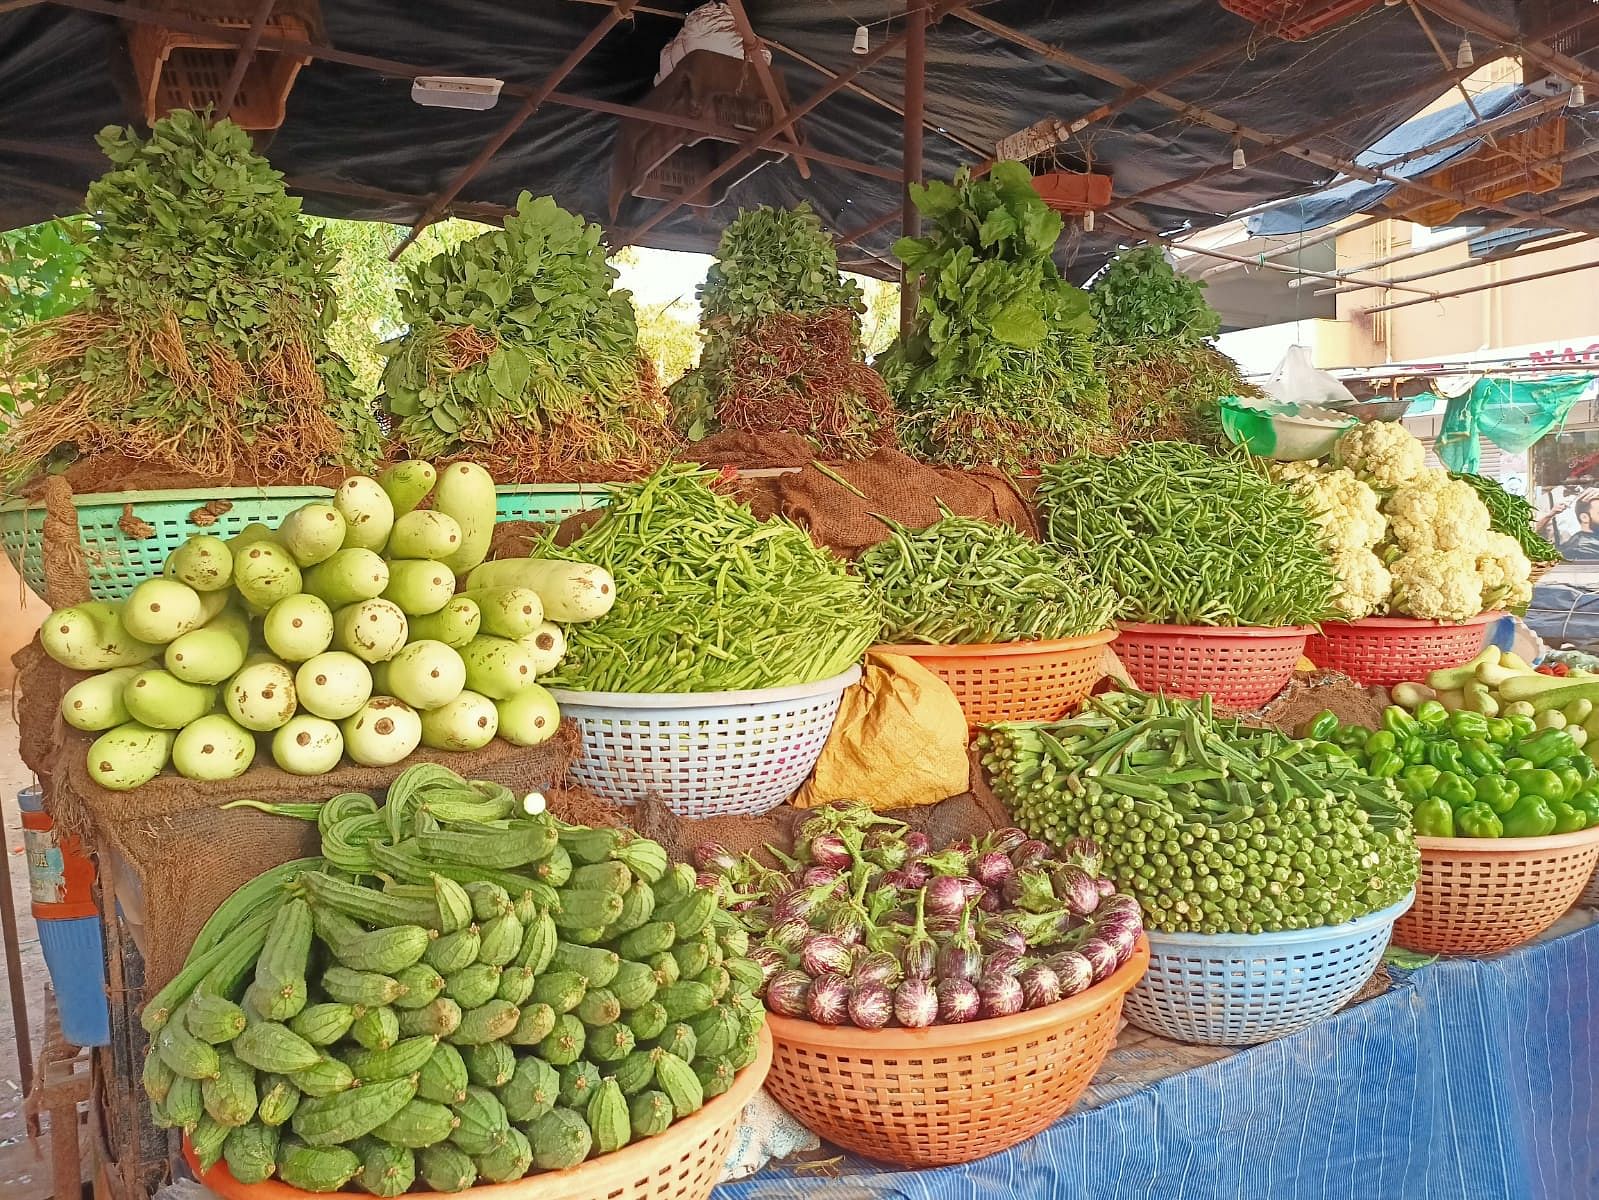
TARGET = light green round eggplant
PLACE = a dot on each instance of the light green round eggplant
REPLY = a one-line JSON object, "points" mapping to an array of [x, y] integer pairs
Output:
{"points": [[160, 700], [159, 610], [265, 572], [213, 748], [529, 717], [95, 704], [547, 645], [456, 624], [419, 585], [424, 533], [129, 755], [312, 533], [261, 696], [373, 630], [333, 685], [469, 722], [204, 562], [496, 667], [367, 511], [212, 653], [350, 576], [408, 484], [425, 675], [382, 732], [298, 627], [308, 745]]}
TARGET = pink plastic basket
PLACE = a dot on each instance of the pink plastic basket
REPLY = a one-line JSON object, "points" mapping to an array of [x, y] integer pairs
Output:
{"points": [[1383, 651], [1241, 666]]}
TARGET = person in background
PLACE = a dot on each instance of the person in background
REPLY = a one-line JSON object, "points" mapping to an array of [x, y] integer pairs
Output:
{"points": [[1581, 544]]}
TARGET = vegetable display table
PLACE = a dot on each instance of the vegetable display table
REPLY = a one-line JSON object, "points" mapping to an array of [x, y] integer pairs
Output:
{"points": [[1468, 1080]]}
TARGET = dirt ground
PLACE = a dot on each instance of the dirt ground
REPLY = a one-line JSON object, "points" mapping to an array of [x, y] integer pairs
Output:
{"points": [[24, 1175]]}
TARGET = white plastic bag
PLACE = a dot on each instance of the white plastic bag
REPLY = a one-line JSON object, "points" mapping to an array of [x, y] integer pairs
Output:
{"points": [[765, 1133], [708, 27], [1297, 381]]}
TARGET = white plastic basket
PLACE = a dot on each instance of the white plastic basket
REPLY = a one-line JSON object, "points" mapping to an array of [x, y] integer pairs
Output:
{"points": [[706, 754]]}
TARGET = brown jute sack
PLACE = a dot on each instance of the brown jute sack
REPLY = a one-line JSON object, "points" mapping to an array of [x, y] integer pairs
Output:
{"points": [[895, 486]]}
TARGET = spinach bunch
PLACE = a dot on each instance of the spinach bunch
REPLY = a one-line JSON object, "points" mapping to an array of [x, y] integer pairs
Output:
{"points": [[782, 351], [204, 344], [519, 339], [998, 365], [1140, 298]]}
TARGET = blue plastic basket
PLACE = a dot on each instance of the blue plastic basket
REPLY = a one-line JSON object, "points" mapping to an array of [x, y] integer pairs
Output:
{"points": [[1235, 989], [74, 953], [548, 503], [115, 560]]}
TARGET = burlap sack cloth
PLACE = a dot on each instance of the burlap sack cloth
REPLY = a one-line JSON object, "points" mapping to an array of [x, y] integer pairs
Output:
{"points": [[891, 485], [187, 855]]}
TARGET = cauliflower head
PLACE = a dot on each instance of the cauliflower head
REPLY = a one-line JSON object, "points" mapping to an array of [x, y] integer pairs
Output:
{"points": [[1363, 584], [1505, 572], [1345, 507], [1383, 453], [1436, 585], [1289, 472], [1434, 512]]}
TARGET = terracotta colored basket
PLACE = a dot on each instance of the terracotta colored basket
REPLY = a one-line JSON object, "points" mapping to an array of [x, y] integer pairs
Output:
{"points": [[952, 1093], [684, 1163], [1016, 681], [1241, 666], [1383, 651], [1481, 896]]}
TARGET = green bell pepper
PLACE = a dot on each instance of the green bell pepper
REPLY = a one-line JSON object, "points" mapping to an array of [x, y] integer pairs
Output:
{"points": [[1587, 802], [1517, 764], [1539, 784], [1445, 756], [1500, 731], [1434, 818], [1568, 817], [1582, 765], [1423, 775], [1385, 764], [1413, 750], [1430, 714], [1397, 721], [1453, 789], [1479, 759], [1571, 780], [1379, 741], [1466, 725], [1477, 821], [1351, 738], [1524, 725], [1322, 726], [1532, 817], [1497, 792], [1544, 748]]}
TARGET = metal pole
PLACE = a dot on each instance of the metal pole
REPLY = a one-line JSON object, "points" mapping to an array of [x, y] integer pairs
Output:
{"points": [[915, 107]]}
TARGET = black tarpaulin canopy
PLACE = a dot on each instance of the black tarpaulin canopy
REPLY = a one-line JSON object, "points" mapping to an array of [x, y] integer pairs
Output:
{"points": [[1171, 87]]}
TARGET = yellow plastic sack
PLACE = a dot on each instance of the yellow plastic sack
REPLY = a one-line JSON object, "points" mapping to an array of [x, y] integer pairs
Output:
{"points": [[899, 741]]}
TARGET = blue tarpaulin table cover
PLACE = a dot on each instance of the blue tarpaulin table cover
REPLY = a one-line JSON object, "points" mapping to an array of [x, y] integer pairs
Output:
{"points": [[1468, 1080]]}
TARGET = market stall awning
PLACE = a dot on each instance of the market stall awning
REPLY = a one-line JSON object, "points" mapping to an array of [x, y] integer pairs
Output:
{"points": [[1159, 95]]}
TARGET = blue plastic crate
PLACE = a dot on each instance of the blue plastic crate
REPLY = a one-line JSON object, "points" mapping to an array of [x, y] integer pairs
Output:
{"points": [[1235, 989], [74, 952]]}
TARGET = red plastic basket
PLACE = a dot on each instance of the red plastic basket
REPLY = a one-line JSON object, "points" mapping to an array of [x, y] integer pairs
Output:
{"points": [[1016, 681], [1383, 651], [1241, 666]]}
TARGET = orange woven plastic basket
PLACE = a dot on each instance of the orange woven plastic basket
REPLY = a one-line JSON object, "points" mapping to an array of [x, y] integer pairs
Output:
{"points": [[1242, 666], [1477, 896], [1383, 651], [952, 1093], [684, 1163], [1016, 681]]}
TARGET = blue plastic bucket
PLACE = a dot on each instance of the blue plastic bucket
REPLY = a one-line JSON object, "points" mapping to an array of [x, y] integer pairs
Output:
{"points": [[74, 952]]}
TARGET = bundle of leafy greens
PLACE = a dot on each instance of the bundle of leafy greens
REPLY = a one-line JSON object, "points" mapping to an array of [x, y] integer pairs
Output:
{"points": [[203, 347], [1153, 337], [523, 355], [782, 341], [999, 366]]}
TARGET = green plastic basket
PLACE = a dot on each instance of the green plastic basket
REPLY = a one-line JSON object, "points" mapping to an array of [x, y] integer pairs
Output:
{"points": [[549, 503], [115, 561]]}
